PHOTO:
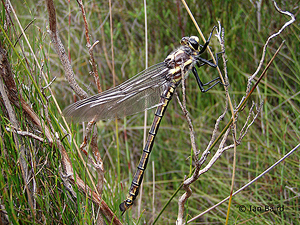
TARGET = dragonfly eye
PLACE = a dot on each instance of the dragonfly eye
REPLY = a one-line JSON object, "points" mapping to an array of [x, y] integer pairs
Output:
{"points": [[194, 42]]}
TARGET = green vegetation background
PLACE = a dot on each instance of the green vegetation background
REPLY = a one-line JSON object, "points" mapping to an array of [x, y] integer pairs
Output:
{"points": [[273, 134]]}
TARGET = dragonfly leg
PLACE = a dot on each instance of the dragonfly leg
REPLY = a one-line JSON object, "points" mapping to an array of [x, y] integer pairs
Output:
{"points": [[201, 85], [202, 62], [207, 42]]}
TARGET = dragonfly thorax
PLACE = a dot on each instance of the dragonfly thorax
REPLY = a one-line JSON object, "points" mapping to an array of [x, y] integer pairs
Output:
{"points": [[180, 62]]}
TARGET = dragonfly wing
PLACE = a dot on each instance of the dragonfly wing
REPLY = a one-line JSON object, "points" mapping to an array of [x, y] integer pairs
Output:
{"points": [[134, 95]]}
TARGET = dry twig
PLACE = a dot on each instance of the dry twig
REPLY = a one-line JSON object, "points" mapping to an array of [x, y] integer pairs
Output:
{"points": [[60, 50]]}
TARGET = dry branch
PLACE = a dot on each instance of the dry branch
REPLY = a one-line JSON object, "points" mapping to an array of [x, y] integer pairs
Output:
{"points": [[60, 50], [90, 47]]}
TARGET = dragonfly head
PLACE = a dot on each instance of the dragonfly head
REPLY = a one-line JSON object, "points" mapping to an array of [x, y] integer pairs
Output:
{"points": [[192, 42]]}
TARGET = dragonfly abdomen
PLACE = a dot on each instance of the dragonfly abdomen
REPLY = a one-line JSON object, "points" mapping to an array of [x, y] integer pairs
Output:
{"points": [[138, 177]]}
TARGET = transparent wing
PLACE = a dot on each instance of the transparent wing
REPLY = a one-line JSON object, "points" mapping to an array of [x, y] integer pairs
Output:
{"points": [[134, 95]]}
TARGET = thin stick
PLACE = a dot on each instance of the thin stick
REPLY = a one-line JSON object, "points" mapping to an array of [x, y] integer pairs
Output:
{"points": [[90, 47], [268, 40], [146, 112]]}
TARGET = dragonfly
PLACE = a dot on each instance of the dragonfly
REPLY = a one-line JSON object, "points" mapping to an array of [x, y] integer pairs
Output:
{"points": [[153, 87]]}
